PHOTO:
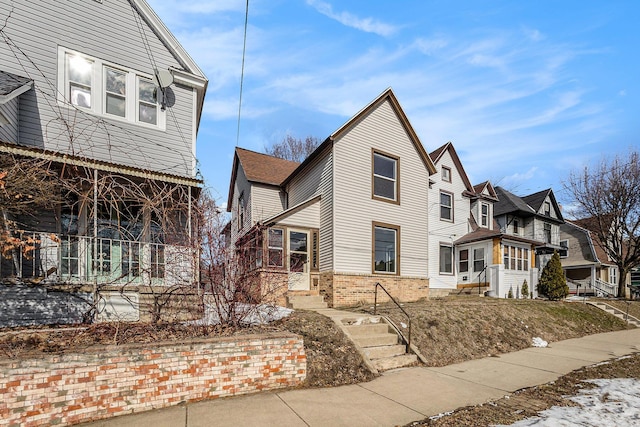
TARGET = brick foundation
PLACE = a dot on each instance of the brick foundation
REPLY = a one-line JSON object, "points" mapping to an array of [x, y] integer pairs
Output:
{"points": [[103, 382], [340, 289]]}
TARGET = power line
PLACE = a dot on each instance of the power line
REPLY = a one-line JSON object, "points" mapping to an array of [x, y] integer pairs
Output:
{"points": [[244, 51]]}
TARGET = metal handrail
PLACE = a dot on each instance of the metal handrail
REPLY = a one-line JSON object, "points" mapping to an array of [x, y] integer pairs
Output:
{"points": [[375, 307]]}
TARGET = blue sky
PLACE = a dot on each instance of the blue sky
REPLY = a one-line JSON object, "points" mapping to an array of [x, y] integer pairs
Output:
{"points": [[526, 91]]}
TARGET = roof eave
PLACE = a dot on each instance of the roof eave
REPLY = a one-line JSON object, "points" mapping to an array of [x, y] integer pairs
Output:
{"points": [[15, 93]]}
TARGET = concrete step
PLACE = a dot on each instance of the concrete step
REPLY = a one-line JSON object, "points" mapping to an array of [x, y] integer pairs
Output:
{"points": [[368, 329], [394, 362], [375, 340], [306, 302], [384, 351]]}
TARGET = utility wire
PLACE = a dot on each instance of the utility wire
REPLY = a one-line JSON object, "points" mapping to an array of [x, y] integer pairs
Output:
{"points": [[244, 50]]}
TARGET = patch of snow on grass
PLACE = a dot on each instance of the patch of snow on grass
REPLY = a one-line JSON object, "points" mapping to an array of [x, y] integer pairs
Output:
{"points": [[539, 342], [248, 314], [615, 402]]}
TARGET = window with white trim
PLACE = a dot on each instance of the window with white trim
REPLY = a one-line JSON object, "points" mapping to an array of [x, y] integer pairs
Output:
{"points": [[484, 215], [564, 251], [478, 259], [463, 261], [446, 174], [106, 89], [516, 258], [275, 246]]}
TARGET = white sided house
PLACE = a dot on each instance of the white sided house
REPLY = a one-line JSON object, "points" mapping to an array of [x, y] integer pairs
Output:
{"points": [[107, 96], [354, 213]]}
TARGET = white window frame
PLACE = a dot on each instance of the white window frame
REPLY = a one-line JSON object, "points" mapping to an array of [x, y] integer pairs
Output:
{"points": [[98, 90], [484, 217], [478, 256], [565, 246]]}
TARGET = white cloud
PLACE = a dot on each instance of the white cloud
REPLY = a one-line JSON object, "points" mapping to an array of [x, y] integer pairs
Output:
{"points": [[369, 25]]}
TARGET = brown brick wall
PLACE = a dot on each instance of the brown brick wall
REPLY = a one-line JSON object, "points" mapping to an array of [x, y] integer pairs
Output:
{"points": [[72, 388], [341, 289]]}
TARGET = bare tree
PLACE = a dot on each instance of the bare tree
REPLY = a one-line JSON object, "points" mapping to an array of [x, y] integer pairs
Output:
{"points": [[607, 195], [292, 148]]}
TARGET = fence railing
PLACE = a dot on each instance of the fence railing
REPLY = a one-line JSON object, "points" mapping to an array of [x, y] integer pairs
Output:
{"points": [[64, 258], [609, 289]]}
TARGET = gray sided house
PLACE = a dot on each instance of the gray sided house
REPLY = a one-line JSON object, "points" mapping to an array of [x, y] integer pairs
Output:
{"points": [[354, 213], [104, 96], [585, 263]]}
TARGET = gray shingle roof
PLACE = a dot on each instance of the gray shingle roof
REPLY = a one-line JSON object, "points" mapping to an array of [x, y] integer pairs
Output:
{"points": [[509, 202], [10, 82]]}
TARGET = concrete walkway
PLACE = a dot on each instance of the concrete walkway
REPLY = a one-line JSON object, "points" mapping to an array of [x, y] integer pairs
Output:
{"points": [[397, 397]]}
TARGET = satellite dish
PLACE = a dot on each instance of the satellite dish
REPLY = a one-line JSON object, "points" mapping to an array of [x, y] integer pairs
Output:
{"points": [[164, 77]]}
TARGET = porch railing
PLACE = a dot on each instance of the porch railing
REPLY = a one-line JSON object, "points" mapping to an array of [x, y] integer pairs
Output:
{"points": [[82, 259], [609, 289]]}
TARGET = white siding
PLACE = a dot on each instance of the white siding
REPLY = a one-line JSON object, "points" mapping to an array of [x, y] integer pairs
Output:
{"points": [[266, 202], [110, 31], [355, 210], [471, 276], [241, 186], [318, 179], [442, 231], [309, 217]]}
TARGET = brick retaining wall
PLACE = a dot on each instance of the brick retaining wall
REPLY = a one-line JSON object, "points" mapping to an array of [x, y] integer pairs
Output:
{"points": [[114, 380]]}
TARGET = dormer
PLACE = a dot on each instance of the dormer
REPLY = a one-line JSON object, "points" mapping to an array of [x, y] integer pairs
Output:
{"points": [[482, 204]]}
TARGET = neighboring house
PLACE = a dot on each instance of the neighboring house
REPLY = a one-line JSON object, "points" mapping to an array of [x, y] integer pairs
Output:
{"points": [[105, 93], [352, 214], [584, 261], [453, 201]]}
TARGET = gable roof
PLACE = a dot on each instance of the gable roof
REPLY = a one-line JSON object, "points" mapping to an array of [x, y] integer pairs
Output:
{"points": [[479, 189], [12, 85], [260, 168], [437, 154], [387, 95], [509, 202], [589, 225], [194, 77]]}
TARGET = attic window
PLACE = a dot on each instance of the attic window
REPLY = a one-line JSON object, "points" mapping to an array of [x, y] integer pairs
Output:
{"points": [[446, 174], [484, 215], [547, 208]]}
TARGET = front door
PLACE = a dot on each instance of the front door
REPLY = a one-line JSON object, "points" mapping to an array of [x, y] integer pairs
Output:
{"points": [[298, 260]]}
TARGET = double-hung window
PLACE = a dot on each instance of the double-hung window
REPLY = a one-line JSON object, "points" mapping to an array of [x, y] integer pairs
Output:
{"points": [[108, 90], [484, 214], [446, 206], [478, 259], [464, 261], [385, 251], [385, 177], [446, 259]]}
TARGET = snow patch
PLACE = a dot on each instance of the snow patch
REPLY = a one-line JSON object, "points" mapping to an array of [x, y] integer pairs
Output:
{"points": [[615, 402], [539, 342]]}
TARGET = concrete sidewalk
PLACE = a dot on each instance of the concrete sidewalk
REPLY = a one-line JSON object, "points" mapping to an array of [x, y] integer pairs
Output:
{"points": [[397, 397]]}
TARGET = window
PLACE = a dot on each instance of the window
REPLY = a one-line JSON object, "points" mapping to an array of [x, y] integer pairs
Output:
{"points": [[464, 261], [547, 208], [446, 259], [484, 214], [315, 249], [613, 275], [79, 80], [102, 88], [516, 258], [147, 102], [547, 233], [276, 247], [385, 177], [478, 259], [241, 210], [385, 249], [446, 174], [446, 206], [516, 226], [115, 86], [564, 252]]}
